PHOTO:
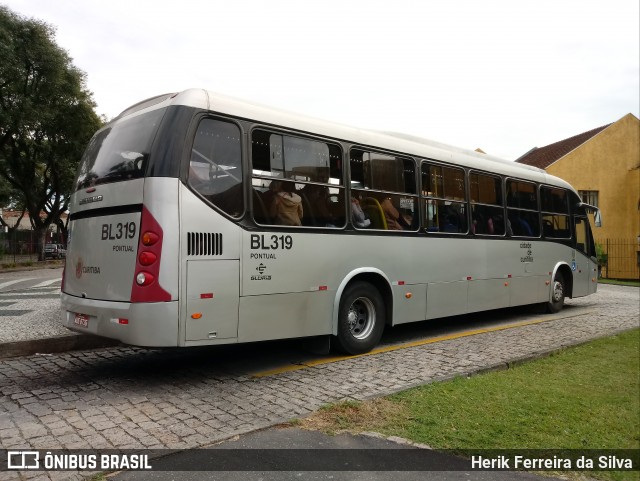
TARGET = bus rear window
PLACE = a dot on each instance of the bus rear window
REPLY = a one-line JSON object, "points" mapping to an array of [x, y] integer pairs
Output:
{"points": [[119, 151]]}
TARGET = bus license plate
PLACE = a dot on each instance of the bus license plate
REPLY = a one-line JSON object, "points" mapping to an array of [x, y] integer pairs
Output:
{"points": [[81, 320]]}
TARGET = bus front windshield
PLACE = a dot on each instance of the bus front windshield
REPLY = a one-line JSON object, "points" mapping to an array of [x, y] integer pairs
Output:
{"points": [[119, 151]]}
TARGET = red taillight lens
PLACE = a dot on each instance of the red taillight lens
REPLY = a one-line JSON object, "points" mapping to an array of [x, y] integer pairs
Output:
{"points": [[147, 258], [149, 238]]}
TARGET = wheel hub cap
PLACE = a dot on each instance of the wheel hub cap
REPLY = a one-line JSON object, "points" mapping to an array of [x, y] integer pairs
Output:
{"points": [[361, 318], [557, 291]]}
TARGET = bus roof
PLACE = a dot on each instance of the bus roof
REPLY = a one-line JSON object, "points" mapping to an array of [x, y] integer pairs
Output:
{"points": [[392, 141]]}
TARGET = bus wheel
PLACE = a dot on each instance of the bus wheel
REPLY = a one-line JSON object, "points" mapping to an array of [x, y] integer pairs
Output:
{"points": [[361, 319], [557, 294]]}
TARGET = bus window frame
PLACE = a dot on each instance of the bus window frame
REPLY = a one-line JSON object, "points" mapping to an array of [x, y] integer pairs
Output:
{"points": [[567, 214], [275, 130], [416, 181], [186, 160], [590, 241], [502, 206], [247, 128], [536, 186], [426, 198]]}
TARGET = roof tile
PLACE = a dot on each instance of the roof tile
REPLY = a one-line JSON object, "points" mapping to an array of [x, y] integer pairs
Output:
{"points": [[543, 157]]}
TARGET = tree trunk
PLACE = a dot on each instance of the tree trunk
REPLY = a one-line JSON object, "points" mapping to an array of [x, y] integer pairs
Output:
{"points": [[41, 239]]}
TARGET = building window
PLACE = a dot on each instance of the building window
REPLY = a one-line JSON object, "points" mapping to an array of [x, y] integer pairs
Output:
{"points": [[589, 197]]}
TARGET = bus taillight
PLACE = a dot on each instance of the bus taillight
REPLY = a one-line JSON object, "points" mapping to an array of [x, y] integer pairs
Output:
{"points": [[144, 279], [150, 238], [147, 258], [146, 286]]}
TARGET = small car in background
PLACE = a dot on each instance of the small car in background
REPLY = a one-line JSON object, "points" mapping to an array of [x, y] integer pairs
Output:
{"points": [[54, 251]]}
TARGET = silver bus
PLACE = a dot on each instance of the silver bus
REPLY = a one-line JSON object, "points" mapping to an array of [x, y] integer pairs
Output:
{"points": [[199, 219]]}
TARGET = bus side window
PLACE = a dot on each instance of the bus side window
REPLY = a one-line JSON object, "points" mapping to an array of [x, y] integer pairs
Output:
{"points": [[522, 209], [300, 181], [582, 235], [487, 208], [383, 188], [446, 208], [555, 213], [215, 168]]}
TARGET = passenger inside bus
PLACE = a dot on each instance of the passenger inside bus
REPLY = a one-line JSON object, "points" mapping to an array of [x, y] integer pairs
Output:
{"points": [[268, 196], [286, 206], [451, 224], [359, 218], [316, 206], [395, 221]]}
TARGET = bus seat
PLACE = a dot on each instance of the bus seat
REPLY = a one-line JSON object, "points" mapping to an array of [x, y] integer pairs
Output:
{"points": [[374, 211], [308, 217], [260, 211]]}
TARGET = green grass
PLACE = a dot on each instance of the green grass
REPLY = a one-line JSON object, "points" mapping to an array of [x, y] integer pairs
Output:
{"points": [[586, 397], [619, 282]]}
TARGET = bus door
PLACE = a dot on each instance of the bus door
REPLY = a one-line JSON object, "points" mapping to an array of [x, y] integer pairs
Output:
{"points": [[212, 193], [582, 264]]}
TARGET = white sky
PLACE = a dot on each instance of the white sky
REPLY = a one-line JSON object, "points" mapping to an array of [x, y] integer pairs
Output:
{"points": [[502, 75]]}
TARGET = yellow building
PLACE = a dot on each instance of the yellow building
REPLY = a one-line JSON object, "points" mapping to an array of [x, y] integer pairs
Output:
{"points": [[603, 164]]}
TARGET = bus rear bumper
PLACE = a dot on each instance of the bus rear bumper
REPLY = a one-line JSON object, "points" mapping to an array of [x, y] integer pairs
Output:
{"points": [[153, 324]]}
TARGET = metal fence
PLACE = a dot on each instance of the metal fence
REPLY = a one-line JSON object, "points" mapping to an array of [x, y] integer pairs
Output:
{"points": [[21, 246], [619, 258]]}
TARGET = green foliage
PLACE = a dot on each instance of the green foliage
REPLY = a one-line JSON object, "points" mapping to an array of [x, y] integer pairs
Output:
{"points": [[619, 282], [601, 255], [46, 117]]}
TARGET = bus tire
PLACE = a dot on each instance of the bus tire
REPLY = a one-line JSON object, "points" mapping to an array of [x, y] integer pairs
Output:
{"points": [[558, 289], [361, 319]]}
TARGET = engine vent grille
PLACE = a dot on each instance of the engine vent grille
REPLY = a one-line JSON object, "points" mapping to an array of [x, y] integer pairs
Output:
{"points": [[204, 244]]}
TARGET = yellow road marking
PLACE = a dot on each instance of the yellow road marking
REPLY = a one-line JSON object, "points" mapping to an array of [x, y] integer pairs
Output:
{"points": [[396, 347]]}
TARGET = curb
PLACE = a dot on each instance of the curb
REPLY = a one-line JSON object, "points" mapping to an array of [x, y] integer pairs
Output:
{"points": [[6, 270], [71, 342]]}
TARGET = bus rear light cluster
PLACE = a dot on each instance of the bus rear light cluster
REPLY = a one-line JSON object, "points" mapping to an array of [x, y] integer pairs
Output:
{"points": [[146, 286]]}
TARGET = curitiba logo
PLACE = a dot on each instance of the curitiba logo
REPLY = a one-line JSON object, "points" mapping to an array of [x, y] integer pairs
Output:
{"points": [[81, 269]]}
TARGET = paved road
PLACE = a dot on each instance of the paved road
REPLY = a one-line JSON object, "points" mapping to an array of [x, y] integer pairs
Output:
{"points": [[127, 397], [30, 305], [261, 455], [12, 280]]}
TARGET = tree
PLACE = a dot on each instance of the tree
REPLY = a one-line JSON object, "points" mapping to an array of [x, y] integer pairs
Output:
{"points": [[9, 197], [46, 119]]}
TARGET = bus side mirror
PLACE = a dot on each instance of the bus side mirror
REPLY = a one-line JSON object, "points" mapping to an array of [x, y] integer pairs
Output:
{"points": [[597, 218]]}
